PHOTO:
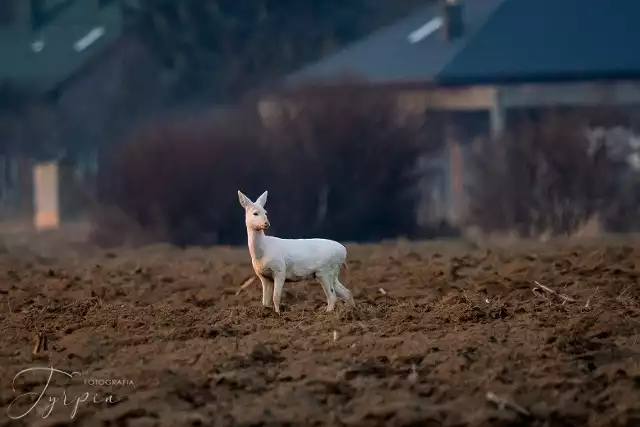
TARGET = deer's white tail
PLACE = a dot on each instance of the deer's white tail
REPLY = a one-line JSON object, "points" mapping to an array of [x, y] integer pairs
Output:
{"points": [[344, 267]]}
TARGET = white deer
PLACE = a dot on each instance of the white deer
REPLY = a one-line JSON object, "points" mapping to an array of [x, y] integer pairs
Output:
{"points": [[276, 261]]}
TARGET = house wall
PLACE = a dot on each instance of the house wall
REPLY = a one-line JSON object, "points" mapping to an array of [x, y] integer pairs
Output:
{"points": [[91, 114], [29, 127], [410, 101], [417, 101], [15, 186], [463, 114], [445, 172], [580, 94], [272, 110], [108, 98]]}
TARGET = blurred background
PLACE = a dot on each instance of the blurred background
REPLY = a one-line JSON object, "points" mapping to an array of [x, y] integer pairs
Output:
{"points": [[138, 120]]}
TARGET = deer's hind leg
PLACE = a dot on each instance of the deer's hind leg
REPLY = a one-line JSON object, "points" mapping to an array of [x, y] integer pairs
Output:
{"points": [[327, 280]]}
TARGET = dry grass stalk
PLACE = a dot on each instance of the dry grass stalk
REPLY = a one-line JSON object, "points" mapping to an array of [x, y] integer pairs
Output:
{"points": [[594, 294], [539, 289], [40, 343], [503, 403], [248, 281], [413, 376], [624, 291]]}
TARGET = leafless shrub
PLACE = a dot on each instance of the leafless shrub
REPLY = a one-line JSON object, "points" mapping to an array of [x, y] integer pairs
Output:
{"points": [[544, 178], [176, 179], [353, 163], [339, 164]]}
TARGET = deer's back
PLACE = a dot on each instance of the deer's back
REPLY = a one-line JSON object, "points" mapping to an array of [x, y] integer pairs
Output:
{"points": [[306, 256]]}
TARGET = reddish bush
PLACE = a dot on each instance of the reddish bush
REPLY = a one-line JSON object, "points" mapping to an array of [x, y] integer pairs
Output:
{"points": [[340, 166], [177, 179], [346, 164]]}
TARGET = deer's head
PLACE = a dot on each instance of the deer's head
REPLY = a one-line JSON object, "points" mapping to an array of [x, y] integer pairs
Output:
{"points": [[255, 214]]}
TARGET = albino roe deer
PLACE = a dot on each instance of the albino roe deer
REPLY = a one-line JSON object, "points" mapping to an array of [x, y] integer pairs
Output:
{"points": [[276, 261]]}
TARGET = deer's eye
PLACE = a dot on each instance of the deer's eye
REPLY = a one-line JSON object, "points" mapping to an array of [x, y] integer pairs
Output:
{"points": [[255, 214]]}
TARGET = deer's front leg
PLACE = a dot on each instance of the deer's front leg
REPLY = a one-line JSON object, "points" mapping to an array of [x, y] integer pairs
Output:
{"points": [[278, 284], [267, 290]]}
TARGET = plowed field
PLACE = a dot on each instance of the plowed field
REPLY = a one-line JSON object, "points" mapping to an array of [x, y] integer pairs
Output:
{"points": [[444, 334]]}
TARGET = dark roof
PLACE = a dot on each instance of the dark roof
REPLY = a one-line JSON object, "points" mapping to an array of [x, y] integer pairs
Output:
{"points": [[58, 60], [388, 55], [532, 40], [504, 40]]}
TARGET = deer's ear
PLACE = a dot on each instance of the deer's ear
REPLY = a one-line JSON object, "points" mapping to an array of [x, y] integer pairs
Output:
{"points": [[244, 200], [262, 200]]}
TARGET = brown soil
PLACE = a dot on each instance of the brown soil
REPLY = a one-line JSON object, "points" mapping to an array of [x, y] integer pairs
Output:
{"points": [[454, 324]]}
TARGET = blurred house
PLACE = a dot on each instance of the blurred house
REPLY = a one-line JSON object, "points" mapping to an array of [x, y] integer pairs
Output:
{"points": [[44, 43], [474, 63], [73, 71]]}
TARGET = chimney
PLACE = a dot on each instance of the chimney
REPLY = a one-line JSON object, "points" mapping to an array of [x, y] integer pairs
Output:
{"points": [[453, 23]]}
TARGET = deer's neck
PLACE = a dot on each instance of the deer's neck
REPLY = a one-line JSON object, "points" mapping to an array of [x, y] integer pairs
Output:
{"points": [[256, 243]]}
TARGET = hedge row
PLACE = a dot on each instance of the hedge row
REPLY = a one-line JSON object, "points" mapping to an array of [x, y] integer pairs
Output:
{"points": [[339, 165]]}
